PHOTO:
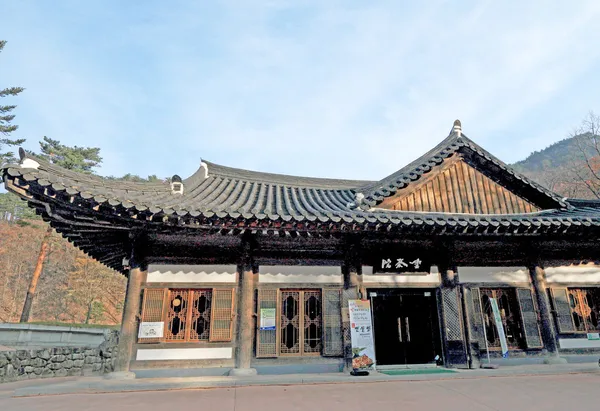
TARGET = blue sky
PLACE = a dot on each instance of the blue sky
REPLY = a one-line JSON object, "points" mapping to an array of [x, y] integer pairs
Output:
{"points": [[343, 89]]}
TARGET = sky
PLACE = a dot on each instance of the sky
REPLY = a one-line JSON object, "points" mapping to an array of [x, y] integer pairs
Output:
{"points": [[325, 88]]}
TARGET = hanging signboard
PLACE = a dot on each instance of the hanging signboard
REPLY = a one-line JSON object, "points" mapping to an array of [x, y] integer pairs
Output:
{"points": [[499, 327], [593, 336], [151, 330], [361, 334], [402, 263], [267, 318]]}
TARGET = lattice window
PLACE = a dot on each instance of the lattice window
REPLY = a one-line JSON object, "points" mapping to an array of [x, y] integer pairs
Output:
{"points": [[452, 315], [178, 305], [266, 340], [509, 312], [312, 322], [200, 315], [333, 339], [300, 322], [222, 315], [290, 322], [190, 315], [585, 308], [529, 316], [152, 309]]}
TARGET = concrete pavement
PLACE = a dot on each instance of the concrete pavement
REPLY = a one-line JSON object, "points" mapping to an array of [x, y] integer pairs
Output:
{"points": [[95, 385], [563, 390]]}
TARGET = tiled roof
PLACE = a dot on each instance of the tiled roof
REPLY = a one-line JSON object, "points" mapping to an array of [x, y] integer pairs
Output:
{"points": [[224, 192], [84, 207]]}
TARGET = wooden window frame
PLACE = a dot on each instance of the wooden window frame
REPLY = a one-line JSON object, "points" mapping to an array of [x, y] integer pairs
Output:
{"points": [[215, 335], [580, 292], [301, 329]]}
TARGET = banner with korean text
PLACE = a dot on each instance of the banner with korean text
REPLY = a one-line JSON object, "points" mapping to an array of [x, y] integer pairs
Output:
{"points": [[499, 327], [361, 334]]}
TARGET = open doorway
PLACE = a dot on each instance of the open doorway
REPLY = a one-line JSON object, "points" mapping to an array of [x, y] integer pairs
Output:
{"points": [[406, 328]]}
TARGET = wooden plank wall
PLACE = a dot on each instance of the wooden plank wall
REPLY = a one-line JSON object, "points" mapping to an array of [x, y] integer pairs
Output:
{"points": [[456, 187]]}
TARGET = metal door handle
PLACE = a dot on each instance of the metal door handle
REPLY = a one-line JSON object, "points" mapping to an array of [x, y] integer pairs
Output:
{"points": [[407, 331], [400, 329]]}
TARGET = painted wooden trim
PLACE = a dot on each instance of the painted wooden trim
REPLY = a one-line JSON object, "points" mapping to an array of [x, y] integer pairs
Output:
{"points": [[184, 354], [483, 275], [578, 343], [185, 274], [573, 274]]}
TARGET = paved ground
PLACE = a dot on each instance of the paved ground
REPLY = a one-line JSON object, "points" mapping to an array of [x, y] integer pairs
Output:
{"points": [[539, 392], [559, 387]]}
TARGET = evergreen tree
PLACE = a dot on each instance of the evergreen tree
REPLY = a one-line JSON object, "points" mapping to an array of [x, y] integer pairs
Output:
{"points": [[6, 118]]}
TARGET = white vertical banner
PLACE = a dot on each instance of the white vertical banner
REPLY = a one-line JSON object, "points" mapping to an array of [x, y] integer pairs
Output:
{"points": [[499, 327], [361, 333]]}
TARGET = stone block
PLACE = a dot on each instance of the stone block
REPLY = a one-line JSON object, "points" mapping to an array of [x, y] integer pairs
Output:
{"points": [[78, 363], [89, 360], [10, 370], [58, 358], [60, 373], [38, 371], [3, 360], [47, 373], [74, 371], [28, 370], [23, 355], [54, 366], [25, 362], [78, 356], [44, 354], [67, 364], [37, 362]]}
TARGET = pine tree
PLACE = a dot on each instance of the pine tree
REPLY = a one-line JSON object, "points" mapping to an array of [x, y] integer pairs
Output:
{"points": [[6, 118]]}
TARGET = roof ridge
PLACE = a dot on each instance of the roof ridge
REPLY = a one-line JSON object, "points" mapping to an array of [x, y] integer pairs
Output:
{"points": [[80, 176], [375, 193], [284, 179]]}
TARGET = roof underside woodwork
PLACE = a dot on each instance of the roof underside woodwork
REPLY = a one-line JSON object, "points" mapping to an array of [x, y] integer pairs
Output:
{"points": [[457, 187], [313, 216]]}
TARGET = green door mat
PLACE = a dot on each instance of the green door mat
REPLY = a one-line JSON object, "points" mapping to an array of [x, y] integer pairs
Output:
{"points": [[409, 371]]}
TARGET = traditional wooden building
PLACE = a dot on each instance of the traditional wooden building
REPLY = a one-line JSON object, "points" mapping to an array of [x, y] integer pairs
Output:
{"points": [[237, 269]]}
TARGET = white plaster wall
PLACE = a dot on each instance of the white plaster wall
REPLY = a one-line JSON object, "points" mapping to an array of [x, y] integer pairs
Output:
{"points": [[282, 274], [184, 354], [578, 343], [433, 277], [506, 275], [584, 273], [159, 273]]}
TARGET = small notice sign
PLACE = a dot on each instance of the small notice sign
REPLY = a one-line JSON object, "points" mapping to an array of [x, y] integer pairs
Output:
{"points": [[361, 333], [593, 336], [267, 318], [151, 330]]}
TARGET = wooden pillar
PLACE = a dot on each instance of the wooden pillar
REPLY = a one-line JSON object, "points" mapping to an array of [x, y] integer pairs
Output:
{"points": [[129, 324], [353, 289], [538, 280], [245, 315]]}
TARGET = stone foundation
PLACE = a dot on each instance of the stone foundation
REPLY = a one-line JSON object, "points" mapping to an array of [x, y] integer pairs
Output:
{"points": [[59, 361]]}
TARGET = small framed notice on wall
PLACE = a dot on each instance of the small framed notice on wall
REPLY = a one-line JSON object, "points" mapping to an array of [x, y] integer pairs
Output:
{"points": [[151, 330]]}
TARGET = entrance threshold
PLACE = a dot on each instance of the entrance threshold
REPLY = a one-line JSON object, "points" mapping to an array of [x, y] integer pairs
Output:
{"points": [[405, 366]]}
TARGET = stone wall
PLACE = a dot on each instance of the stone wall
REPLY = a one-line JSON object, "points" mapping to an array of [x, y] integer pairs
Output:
{"points": [[19, 364]]}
